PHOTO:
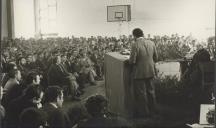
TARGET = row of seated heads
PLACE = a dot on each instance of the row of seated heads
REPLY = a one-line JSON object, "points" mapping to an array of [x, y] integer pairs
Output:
{"points": [[31, 117], [95, 106]]}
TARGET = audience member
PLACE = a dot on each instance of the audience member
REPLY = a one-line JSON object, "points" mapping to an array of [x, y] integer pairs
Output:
{"points": [[2, 110], [12, 88], [10, 66], [87, 71], [31, 97], [58, 75], [77, 114], [33, 78], [21, 65], [53, 102], [33, 118], [97, 108]]}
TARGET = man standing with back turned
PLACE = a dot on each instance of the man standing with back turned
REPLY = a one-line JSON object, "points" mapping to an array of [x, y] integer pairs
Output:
{"points": [[142, 58]]}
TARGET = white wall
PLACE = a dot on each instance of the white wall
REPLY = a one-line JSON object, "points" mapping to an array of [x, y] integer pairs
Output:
{"points": [[88, 17], [181, 16], [24, 18]]}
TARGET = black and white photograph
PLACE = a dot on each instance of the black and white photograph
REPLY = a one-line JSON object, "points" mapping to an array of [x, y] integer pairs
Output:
{"points": [[107, 64]]}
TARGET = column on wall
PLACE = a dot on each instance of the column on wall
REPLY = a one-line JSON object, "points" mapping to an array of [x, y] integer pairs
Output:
{"points": [[7, 10]]}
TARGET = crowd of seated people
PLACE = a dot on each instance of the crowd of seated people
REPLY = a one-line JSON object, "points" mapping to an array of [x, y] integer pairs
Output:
{"points": [[78, 54], [33, 68], [37, 73], [38, 108]]}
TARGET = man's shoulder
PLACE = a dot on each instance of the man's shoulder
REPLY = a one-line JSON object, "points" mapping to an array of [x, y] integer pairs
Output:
{"points": [[96, 123], [142, 41], [11, 81], [148, 41], [11, 85], [121, 122], [2, 112], [53, 67], [16, 102], [50, 108]]}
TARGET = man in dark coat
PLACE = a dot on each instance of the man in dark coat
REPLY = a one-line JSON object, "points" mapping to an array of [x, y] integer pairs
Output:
{"points": [[31, 97], [97, 108], [142, 58], [58, 75], [12, 88], [2, 110], [32, 118], [53, 102]]}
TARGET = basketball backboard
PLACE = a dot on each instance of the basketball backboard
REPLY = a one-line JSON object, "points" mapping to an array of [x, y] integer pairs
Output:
{"points": [[118, 13]]}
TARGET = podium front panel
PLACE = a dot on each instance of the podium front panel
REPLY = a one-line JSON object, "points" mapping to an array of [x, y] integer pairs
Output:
{"points": [[117, 83]]}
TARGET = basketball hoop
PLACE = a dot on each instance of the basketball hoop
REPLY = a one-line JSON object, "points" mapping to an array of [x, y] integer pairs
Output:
{"points": [[119, 13]]}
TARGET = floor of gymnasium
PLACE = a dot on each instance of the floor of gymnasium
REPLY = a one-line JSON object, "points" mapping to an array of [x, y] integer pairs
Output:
{"points": [[168, 116], [99, 88]]}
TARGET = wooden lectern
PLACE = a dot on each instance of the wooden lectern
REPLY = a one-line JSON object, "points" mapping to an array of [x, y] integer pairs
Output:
{"points": [[117, 84]]}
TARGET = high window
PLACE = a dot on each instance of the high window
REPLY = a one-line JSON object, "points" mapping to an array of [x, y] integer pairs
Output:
{"points": [[46, 18]]}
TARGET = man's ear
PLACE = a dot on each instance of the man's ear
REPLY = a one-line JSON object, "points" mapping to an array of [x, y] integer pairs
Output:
{"points": [[34, 81], [34, 100], [58, 98], [41, 126]]}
